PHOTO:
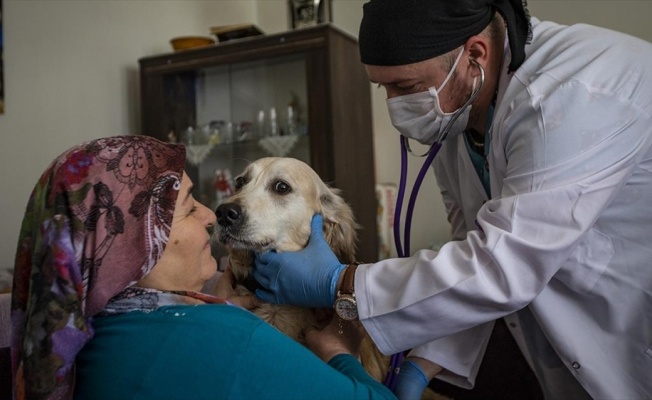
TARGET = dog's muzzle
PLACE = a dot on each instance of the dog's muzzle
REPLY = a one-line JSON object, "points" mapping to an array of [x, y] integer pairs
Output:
{"points": [[229, 214]]}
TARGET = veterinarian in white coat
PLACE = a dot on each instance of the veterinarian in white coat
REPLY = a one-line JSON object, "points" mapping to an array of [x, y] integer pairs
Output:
{"points": [[561, 244]]}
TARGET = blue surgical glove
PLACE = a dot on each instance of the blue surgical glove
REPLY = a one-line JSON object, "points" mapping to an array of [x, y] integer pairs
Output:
{"points": [[411, 382], [306, 278]]}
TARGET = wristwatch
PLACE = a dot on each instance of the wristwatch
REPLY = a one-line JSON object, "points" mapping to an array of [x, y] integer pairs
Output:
{"points": [[345, 305]]}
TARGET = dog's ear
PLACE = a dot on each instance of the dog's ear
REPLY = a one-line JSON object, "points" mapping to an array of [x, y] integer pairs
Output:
{"points": [[339, 225]]}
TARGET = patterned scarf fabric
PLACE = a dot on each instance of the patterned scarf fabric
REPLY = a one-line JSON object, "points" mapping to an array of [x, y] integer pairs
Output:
{"points": [[97, 222], [146, 300]]}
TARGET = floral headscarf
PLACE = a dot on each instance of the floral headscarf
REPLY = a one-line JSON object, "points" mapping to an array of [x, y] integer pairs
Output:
{"points": [[97, 221]]}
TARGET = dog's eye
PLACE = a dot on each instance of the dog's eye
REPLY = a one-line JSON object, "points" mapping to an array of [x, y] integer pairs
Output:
{"points": [[239, 182], [281, 187]]}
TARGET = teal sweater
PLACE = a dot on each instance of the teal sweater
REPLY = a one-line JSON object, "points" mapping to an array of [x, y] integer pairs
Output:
{"points": [[209, 352]]}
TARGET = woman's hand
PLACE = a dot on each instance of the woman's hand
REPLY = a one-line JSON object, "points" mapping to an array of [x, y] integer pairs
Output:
{"points": [[327, 342], [225, 288]]}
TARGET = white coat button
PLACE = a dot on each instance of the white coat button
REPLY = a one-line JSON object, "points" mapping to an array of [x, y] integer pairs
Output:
{"points": [[576, 365]]}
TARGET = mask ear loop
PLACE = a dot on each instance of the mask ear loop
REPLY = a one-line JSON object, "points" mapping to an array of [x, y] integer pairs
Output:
{"points": [[450, 73]]}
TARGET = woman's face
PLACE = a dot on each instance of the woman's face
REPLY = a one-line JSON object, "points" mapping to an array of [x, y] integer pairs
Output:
{"points": [[186, 262]]}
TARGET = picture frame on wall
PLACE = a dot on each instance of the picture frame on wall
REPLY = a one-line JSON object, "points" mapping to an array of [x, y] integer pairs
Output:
{"points": [[306, 13]]}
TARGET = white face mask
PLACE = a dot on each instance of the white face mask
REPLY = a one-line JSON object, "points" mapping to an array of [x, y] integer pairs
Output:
{"points": [[419, 116]]}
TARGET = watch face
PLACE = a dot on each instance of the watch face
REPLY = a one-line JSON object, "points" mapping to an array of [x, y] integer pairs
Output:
{"points": [[346, 309]]}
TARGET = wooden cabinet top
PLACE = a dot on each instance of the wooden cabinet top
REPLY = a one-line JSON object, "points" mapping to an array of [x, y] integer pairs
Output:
{"points": [[320, 37]]}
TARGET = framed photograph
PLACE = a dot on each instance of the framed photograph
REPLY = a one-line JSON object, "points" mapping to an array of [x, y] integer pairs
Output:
{"points": [[305, 13]]}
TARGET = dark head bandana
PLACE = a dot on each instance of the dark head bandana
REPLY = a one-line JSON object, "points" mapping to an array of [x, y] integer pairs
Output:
{"points": [[399, 32]]}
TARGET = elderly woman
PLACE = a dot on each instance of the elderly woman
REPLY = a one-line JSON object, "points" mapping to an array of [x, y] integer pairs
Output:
{"points": [[112, 255]]}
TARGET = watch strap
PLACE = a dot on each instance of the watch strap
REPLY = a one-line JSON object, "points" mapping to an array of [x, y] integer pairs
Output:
{"points": [[348, 281]]}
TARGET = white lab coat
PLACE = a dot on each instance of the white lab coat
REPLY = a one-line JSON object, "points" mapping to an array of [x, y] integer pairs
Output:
{"points": [[567, 234]]}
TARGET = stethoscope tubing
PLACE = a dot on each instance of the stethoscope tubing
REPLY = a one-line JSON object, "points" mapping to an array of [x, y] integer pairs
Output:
{"points": [[397, 359], [404, 250]]}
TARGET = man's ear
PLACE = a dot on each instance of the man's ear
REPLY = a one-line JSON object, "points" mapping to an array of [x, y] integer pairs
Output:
{"points": [[478, 49]]}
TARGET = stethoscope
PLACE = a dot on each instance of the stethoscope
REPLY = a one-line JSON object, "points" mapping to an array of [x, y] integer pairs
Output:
{"points": [[403, 251]]}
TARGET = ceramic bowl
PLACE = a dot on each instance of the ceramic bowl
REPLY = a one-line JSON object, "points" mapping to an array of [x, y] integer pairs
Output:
{"points": [[190, 42]]}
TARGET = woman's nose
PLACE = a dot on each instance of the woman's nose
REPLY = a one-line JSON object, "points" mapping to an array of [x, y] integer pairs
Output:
{"points": [[209, 216]]}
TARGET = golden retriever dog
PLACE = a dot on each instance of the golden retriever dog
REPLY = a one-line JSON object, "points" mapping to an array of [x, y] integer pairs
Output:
{"points": [[274, 201]]}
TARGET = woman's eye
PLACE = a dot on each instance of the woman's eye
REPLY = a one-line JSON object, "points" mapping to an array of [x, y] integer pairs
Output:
{"points": [[193, 209], [281, 187]]}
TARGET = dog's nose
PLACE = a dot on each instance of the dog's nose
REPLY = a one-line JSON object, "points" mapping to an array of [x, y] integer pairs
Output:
{"points": [[228, 214]]}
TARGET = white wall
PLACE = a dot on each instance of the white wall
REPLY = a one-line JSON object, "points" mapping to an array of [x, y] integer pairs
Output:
{"points": [[71, 75]]}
